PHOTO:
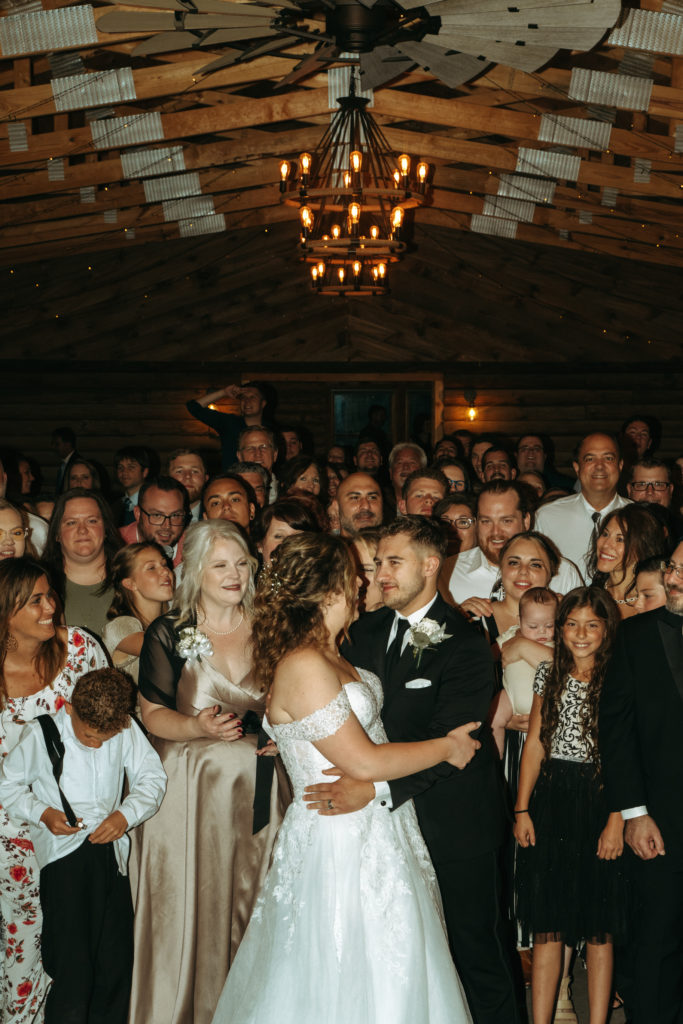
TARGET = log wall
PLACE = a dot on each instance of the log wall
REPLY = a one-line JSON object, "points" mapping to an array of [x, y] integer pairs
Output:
{"points": [[109, 405]]}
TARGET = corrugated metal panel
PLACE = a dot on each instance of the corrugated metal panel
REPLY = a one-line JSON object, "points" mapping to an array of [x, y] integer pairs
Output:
{"points": [[564, 234], [15, 6], [609, 196], [639, 65], [513, 209], [678, 139], [201, 225], [184, 209], [39, 31], [129, 233], [585, 217], [17, 136], [547, 162], [111, 216], [625, 92], [55, 169], [93, 90], [516, 186], [87, 193], [574, 131], [66, 63], [649, 30], [127, 131], [175, 186], [641, 170], [501, 226], [143, 163]]}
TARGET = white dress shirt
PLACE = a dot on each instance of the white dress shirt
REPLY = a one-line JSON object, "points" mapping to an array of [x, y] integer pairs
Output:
{"points": [[382, 789], [92, 781], [474, 576], [568, 522]]}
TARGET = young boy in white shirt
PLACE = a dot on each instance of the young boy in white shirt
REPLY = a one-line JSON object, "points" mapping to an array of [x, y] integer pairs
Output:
{"points": [[87, 937]]}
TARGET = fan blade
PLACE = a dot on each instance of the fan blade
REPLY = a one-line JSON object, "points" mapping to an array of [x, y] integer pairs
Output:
{"points": [[248, 54], [381, 65], [202, 22], [227, 35], [524, 58], [132, 21], [451, 68], [212, 6], [324, 55], [166, 42]]}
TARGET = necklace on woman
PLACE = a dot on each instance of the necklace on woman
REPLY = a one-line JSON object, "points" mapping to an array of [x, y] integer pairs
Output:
{"points": [[217, 633]]}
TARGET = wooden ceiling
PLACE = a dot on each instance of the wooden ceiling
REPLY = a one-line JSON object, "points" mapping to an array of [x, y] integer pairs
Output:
{"points": [[62, 195]]}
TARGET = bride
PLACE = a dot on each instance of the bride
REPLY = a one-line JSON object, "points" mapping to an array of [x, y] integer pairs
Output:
{"points": [[348, 926]]}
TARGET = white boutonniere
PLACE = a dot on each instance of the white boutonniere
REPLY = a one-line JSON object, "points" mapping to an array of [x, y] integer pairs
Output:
{"points": [[425, 636], [192, 643]]}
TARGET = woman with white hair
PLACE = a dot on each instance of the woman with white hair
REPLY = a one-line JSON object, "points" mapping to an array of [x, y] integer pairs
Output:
{"points": [[199, 867]]}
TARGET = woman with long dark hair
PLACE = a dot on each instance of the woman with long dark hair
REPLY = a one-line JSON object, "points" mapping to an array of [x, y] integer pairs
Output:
{"points": [[626, 537], [81, 543], [569, 881], [40, 662]]}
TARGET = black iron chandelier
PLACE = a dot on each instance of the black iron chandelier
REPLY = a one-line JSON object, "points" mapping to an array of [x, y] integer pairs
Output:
{"points": [[352, 192]]}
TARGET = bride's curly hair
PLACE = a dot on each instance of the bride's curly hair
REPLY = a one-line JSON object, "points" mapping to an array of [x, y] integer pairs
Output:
{"points": [[306, 569], [563, 662]]}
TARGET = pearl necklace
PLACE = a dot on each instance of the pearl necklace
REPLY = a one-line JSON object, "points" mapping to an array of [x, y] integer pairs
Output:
{"points": [[233, 630]]}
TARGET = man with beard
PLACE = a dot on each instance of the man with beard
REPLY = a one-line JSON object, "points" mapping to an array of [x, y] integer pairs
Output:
{"points": [[501, 513], [189, 467], [641, 724], [359, 499], [437, 674], [161, 515]]}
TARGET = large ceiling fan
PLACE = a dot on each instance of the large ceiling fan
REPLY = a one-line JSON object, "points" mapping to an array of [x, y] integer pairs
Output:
{"points": [[454, 40]]}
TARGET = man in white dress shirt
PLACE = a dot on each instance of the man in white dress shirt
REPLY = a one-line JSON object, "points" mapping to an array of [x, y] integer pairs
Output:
{"points": [[571, 522], [502, 512]]}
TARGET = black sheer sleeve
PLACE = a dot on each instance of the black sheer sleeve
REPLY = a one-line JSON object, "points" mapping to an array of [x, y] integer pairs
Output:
{"points": [[160, 666]]}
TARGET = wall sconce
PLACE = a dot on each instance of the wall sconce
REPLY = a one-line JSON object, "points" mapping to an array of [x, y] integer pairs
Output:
{"points": [[470, 398]]}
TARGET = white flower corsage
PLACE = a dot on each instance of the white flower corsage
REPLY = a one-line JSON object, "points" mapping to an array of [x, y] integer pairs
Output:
{"points": [[192, 644], [426, 635]]}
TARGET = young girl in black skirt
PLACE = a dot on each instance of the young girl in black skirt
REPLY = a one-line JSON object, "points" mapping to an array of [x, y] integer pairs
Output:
{"points": [[569, 883]]}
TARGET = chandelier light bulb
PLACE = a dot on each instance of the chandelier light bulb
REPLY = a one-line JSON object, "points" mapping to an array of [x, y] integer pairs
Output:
{"points": [[374, 231], [336, 231], [404, 164], [305, 164], [356, 161], [284, 174], [397, 178], [354, 212], [375, 273], [341, 274], [382, 270], [422, 172], [397, 217], [306, 215], [347, 179], [314, 273], [321, 270], [357, 267]]}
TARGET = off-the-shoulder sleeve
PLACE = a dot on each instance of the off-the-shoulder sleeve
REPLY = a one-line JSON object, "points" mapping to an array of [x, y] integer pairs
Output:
{"points": [[540, 677], [160, 666], [116, 630], [319, 724]]}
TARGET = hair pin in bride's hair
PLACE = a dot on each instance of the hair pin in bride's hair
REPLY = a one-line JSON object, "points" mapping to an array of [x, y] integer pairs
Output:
{"points": [[270, 578]]}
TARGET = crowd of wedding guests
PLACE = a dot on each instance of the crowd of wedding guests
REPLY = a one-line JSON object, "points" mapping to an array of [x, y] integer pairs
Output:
{"points": [[150, 567]]}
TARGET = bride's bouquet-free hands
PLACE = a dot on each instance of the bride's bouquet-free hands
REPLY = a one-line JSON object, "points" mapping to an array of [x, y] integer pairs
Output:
{"points": [[464, 746]]}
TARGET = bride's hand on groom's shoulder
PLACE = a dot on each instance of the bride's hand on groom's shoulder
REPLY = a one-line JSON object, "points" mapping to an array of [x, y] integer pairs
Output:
{"points": [[464, 746]]}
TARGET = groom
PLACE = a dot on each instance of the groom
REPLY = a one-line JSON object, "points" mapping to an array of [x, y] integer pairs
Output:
{"points": [[434, 680]]}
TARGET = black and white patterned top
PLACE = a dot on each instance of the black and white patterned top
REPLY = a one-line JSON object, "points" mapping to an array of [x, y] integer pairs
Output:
{"points": [[567, 744]]}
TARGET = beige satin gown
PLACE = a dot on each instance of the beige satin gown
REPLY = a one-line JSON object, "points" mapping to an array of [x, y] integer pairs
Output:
{"points": [[196, 869]]}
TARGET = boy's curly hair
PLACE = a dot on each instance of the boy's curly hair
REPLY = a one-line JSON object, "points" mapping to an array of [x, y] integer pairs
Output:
{"points": [[104, 700]]}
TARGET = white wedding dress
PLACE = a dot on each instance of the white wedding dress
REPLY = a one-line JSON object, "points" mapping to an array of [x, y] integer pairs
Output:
{"points": [[348, 927]]}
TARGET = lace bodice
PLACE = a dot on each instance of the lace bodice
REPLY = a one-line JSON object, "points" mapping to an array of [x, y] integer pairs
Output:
{"points": [[304, 763], [567, 743]]}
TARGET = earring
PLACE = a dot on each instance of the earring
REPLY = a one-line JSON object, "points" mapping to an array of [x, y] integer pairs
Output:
{"points": [[11, 642]]}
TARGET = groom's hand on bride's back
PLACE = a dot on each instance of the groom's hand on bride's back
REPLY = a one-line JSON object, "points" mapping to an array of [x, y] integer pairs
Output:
{"points": [[341, 795], [464, 745]]}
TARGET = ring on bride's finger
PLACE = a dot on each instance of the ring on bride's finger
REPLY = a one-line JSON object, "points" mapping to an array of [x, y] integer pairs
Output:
{"points": [[330, 805]]}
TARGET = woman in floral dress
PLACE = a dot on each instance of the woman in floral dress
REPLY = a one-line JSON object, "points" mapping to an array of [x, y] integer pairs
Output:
{"points": [[39, 664]]}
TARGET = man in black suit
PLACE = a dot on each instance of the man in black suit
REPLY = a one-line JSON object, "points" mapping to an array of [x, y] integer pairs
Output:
{"points": [[437, 673], [641, 750]]}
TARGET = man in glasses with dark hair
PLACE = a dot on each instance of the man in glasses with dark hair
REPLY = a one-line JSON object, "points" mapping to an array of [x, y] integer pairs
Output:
{"points": [[651, 481], [161, 515]]}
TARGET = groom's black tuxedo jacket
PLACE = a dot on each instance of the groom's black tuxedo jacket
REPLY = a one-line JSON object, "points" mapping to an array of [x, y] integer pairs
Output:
{"points": [[461, 812], [641, 722]]}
